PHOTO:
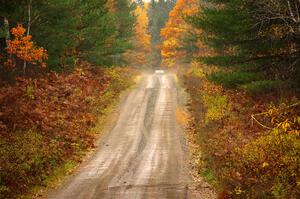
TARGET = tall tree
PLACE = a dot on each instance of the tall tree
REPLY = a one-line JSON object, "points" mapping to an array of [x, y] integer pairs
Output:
{"points": [[124, 21], [75, 29], [175, 45], [158, 16], [138, 56], [54, 26], [258, 35], [96, 29]]}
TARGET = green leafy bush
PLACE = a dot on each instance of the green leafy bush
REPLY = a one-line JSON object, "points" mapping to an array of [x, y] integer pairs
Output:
{"points": [[234, 79], [261, 87]]}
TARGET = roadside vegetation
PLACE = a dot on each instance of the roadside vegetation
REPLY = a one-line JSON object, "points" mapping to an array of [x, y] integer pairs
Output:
{"points": [[49, 121], [249, 146], [63, 65], [243, 80]]}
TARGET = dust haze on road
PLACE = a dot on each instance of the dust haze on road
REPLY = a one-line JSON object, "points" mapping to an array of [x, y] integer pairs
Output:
{"points": [[143, 156]]}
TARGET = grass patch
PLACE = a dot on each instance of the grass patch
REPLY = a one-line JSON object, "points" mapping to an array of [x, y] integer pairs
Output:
{"points": [[67, 168], [208, 176]]}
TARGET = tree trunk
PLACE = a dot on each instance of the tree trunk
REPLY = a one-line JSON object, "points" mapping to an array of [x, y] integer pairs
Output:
{"points": [[28, 32]]}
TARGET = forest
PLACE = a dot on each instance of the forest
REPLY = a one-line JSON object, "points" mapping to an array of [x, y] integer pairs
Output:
{"points": [[241, 69], [65, 63]]}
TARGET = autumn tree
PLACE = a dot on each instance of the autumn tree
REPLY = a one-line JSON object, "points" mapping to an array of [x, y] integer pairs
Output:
{"points": [[177, 30], [75, 30], [22, 48], [158, 16], [138, 56], [141, 28]]}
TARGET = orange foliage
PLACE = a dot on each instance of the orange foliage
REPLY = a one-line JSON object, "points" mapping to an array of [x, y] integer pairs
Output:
{"points": [[142, 38], [23, 48], [141, 27], [111, 5], [49, 121], [177, 28]]}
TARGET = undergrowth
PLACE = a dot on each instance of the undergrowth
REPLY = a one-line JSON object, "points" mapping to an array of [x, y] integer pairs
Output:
{"points": [[261, 87], [233, 79], [250, 146], [48, 122]]}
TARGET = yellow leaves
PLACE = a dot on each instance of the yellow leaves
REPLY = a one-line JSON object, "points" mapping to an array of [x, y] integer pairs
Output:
{"points": [[285, 126], [29, 92], [168, 62], [182, 117], [111, 5], [265, 164], [297, 120], [142, 39], [217, 107], [238, 190], [168, 47], [141, 28], [176, 28], [196, 70], [282, 117]]}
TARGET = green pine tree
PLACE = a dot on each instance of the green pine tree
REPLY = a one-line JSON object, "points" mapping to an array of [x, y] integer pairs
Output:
{"points": [[75, 29], [260, 36]]}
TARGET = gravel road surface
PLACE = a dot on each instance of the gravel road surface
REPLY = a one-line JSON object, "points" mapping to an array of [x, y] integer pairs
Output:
{"points": [[143, 156]]}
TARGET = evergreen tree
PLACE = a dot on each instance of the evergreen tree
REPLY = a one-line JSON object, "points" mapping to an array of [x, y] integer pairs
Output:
{"points": [[95, 25], [75, 29], [124, 20], [256, 35], [55, 29]]}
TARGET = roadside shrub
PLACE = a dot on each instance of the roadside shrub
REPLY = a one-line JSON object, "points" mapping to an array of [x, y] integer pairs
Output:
{"points": [[268, 167], [217, 107], [23, 157], [262, 87], [196, 71], [49, 121], [119, 77], [232, 80], [238, 155]]}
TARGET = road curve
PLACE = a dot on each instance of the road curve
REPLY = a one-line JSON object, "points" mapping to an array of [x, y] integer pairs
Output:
{"points": [[143, 156]]}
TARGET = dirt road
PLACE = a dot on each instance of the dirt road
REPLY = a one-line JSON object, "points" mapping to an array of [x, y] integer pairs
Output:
{"points": [[143, 156]]}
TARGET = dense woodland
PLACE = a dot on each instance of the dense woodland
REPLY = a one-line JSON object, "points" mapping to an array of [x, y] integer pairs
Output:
{"points": [[158, 16], [242, 65], [63, 65], [72, 30], [63, 61]]}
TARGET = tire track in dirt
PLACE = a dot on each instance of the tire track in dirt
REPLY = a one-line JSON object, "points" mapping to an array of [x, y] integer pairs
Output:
{"points": [[143, 156]]}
